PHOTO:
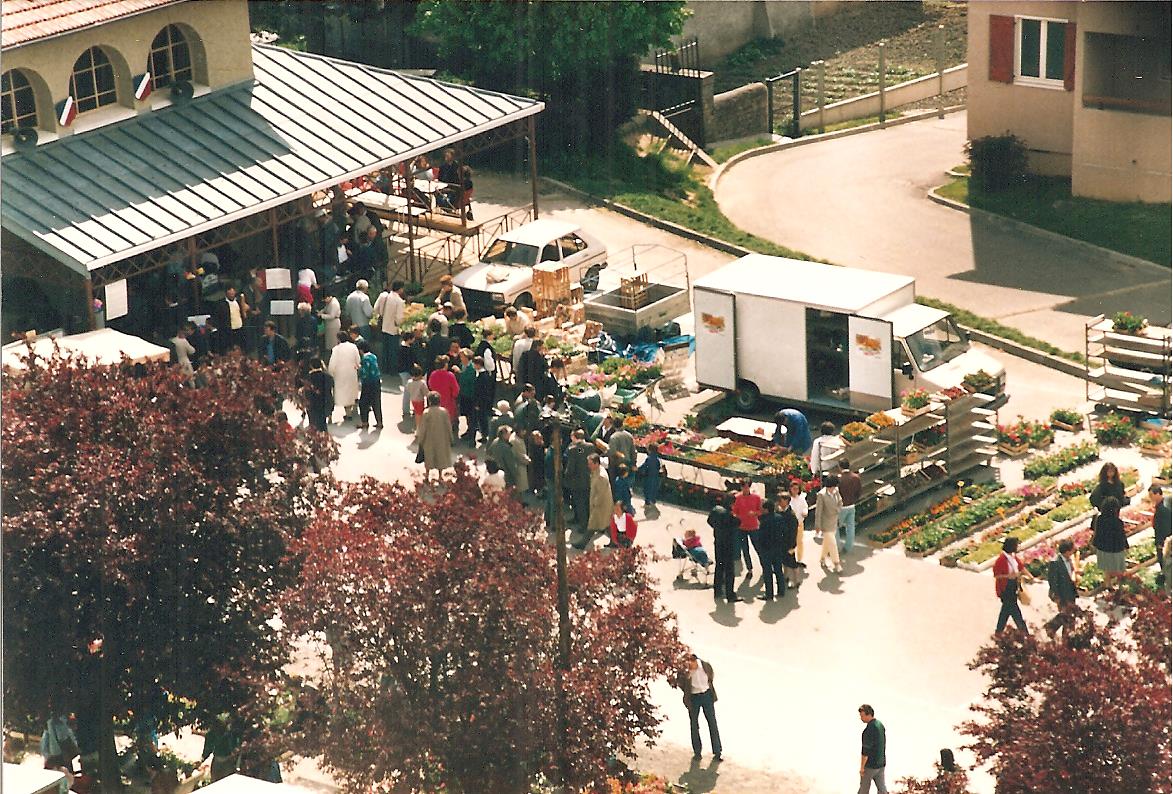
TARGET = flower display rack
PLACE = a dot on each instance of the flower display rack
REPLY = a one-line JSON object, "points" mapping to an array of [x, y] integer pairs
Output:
{"points": [[1129, 371]]}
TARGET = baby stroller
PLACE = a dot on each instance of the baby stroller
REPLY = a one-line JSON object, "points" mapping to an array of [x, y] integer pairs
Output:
{"points": [[689, 565]]}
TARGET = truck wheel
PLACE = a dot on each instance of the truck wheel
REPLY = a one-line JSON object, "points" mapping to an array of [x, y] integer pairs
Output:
{"points": [[590, 282], [747, 396], [524, 301]]}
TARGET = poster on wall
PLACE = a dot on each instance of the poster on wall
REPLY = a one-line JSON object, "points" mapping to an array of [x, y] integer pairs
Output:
{"points": [[280, 308], [117, 302], [277, 278], [870, 357]]}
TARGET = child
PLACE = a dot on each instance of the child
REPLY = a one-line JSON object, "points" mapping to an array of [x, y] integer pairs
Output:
{"points": [[417, 391], [649, 470], [692, 544], [621, 488]]}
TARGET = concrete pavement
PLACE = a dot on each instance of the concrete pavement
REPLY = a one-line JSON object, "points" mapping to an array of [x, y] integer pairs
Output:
{"points": [[861, 201]]}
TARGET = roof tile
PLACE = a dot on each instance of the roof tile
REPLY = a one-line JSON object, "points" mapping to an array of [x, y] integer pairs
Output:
{"points": [[26, 21]]}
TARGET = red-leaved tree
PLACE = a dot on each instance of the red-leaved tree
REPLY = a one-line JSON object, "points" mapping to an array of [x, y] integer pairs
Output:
{"points": [[435, 608], [1088, 712], [146, 525]]}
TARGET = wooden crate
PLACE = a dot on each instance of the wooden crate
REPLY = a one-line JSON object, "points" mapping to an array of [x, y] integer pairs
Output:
{"points": [[551, 281], [633, 292]]}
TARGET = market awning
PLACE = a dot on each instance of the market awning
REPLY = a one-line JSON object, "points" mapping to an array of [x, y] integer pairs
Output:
{"points": [[102, 347], [307, 123]]}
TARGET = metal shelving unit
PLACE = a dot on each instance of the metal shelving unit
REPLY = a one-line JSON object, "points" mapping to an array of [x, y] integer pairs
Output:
{"points": [[1129, 372]]}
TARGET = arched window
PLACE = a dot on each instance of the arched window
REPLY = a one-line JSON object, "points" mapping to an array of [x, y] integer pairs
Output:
{"points": [[170, 58], [19, 103], [92, 83]]}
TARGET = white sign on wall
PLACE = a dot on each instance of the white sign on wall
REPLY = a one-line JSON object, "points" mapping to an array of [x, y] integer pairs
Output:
{"points": [[870, 356], [117, 302]]}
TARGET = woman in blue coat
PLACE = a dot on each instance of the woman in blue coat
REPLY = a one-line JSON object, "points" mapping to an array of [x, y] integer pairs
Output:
{"points": [[649, 471]]}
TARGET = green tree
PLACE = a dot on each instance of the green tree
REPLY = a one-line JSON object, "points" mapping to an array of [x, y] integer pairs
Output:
{"points": [[582, 58]]}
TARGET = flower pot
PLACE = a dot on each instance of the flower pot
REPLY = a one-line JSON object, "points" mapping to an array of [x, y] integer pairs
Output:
{"points": [[1041, 443], [913, 412], [1013, 451]]}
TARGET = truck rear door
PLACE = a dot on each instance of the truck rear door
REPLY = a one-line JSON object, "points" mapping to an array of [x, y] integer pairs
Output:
{"points": [[870, 363], [716, 339]]}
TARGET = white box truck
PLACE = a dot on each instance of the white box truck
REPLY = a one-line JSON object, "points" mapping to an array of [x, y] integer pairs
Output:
{"points": [[839, 338]]}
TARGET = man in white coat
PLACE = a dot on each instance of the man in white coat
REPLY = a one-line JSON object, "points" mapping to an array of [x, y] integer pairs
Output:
{"points": [[344, 363]]}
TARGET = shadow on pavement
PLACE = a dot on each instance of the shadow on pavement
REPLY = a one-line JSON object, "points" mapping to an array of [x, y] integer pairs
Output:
{"points": [[725, 614], [1005, 256], [775, 610], [700, 778]]}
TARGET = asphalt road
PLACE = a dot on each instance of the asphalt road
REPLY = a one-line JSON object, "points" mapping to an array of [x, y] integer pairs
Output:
{"points": [[861, 201]]}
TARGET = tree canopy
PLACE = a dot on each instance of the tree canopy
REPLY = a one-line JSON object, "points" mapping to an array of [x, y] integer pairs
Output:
{"points": [[581, 57], [437, 613], [146, 524]]}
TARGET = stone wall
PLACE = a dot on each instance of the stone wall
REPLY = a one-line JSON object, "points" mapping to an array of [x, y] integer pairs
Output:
{"points": [[724, 25], [739, 112]]}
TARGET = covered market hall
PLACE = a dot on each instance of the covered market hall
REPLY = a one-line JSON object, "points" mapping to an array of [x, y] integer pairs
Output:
{"points": [[112, 219]]}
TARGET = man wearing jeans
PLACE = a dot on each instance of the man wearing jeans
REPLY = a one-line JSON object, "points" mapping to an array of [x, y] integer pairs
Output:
{"points": [[872, 755], [390, 308], [850, 487], [697, 684]]}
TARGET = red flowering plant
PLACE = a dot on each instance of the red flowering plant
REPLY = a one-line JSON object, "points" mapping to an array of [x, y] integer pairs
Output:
{"points": [[1014, 434]]}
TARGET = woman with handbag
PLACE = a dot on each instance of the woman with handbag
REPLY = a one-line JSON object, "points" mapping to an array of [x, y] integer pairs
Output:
{"points": [[1009, 571]]}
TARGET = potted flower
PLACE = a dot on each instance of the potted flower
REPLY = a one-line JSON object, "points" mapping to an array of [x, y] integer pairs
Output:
{"points": [[1040, 434], [1165, 475], [854, 432], [1032, 492], [1013, 439], [914, 402], [911, 454], [1129, 323], [979, 382], [1155, 442], [1066, 419], [879, 420], [952, 393], [1114, 429]]}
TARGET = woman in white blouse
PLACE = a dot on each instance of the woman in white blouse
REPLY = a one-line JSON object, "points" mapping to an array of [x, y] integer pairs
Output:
{"points": [[332, 313], [800, 508]]}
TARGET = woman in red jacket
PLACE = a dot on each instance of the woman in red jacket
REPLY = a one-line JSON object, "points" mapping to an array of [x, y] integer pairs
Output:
{"points": [[623, 527], [443, 382], [1009, 571]]}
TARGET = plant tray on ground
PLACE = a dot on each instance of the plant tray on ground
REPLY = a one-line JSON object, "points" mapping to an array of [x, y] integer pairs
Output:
{"points": [[964, 522], [1062, 461]]}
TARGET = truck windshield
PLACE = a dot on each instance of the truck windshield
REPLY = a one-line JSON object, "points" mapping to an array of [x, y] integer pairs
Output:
{"points": [[940, 342], [504, 252]]}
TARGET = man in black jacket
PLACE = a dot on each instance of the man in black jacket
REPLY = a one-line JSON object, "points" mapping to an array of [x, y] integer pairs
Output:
{"points": [[774, 530], [578, 477], [725, 528], [484, 395], [1161, 525], [1061, 585]]}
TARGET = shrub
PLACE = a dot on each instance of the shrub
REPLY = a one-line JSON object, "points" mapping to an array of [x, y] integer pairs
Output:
{"points": [[997, 162]]}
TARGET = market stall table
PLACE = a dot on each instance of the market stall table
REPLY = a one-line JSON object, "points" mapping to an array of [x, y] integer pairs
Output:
{"points": [[748, 431]]}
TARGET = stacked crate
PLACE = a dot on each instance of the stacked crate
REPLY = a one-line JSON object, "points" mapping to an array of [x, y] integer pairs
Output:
{"points": [[552, 287], [633, 292]]}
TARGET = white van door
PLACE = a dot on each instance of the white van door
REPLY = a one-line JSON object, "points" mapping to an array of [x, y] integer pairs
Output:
{"points": [[716, 339], [869, 363]]}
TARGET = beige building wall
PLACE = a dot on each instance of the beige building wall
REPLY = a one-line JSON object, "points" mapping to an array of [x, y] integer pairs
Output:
{"points": [[1118, 155], [724, 25], [218, 35], [1041, 117], [1109, 154]]}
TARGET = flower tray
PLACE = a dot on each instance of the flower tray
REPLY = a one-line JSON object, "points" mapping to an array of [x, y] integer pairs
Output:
{"points": [[1013, 451], [915, 412], [1159, 451], [1065, 426], [1041, 444]]}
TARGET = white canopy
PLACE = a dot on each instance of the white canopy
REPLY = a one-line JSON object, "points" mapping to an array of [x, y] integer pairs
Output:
{"points": [[21, 779], [104, 346]]}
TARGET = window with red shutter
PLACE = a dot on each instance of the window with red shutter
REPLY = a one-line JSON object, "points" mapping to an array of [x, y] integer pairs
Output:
{"points": [[1001, 49]]}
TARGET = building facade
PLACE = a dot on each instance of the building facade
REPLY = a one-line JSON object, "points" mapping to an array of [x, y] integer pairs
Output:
{"points": [[1086, 86]]}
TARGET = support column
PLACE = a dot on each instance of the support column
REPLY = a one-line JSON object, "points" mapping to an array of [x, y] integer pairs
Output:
{"points": [[883, 114], [91, 324], [531, 128], [940, 38], [822, 74]]}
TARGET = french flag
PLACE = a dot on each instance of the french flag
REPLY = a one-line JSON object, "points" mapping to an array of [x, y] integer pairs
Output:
{"points": [[66, 111], [143, 84]]}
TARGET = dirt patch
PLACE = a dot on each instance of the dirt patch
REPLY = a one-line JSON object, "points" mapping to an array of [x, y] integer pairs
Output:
{"points": [[847, 42]]}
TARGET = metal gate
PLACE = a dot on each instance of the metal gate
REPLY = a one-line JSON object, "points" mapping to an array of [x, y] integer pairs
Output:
{"points": [[783, 109], [672, 87]]}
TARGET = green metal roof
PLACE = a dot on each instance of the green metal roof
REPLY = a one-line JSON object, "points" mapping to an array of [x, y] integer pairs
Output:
{"points": [[307, 122]]}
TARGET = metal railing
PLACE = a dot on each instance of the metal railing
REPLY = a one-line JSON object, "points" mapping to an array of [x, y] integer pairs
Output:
{"points": [[795, 78], [684, 59]]}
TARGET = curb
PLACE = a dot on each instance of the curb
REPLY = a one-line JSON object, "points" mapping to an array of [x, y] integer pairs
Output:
{"points": [[1055, 237], [997, 342], [826, 136]]}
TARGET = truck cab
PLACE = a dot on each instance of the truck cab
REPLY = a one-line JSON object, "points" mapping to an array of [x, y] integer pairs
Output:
{"points": [[931, 352], [504, 274]]}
